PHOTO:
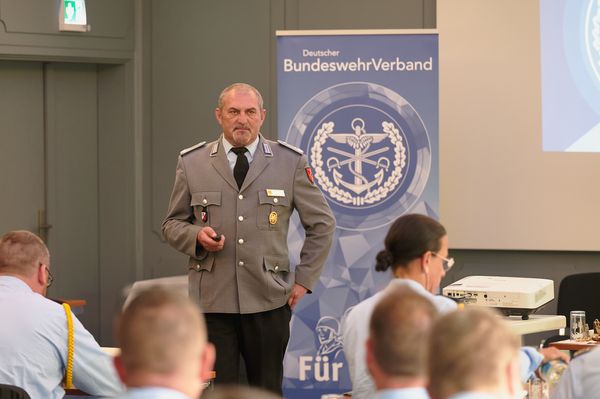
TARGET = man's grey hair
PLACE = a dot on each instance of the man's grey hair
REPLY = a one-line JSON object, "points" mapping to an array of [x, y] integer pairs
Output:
{"points": [[242, 87]]}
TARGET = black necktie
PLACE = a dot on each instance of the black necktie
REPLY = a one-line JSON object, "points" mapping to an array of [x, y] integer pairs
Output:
{"points": [[241, 165]]}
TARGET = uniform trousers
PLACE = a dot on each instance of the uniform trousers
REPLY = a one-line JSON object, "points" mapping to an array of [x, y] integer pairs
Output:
{"points": [[260, 338]]}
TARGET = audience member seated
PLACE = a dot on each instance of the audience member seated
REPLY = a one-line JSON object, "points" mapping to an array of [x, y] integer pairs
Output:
{"points": [[581, 380], [416, 250], [164, 348], [240, 392], [34, 334], [397, 344], [473, 354]]}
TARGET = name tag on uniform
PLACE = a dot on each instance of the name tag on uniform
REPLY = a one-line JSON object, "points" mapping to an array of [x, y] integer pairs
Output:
{"points": [[271, 192]]}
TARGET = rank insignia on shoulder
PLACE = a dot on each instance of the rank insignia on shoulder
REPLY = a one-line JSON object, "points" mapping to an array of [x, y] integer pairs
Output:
{"points": [[309, 174], [192, 148], [291, 147]]}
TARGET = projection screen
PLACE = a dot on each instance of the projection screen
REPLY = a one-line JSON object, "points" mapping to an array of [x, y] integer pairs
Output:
{"points": [[498, 188]]}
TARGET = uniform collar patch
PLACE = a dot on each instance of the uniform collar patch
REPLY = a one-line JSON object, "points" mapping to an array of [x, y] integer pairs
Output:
{"points": [[215, 149]]}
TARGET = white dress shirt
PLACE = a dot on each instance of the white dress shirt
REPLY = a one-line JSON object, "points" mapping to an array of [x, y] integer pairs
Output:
{"points": [[232, 156]]}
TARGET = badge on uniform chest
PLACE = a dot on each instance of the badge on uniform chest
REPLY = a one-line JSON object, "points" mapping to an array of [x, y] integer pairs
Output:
{"points": [[272, 218], [271, 192], [204, 215]]}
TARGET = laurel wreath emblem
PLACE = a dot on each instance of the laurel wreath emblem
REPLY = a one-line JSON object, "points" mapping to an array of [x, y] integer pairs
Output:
{"points": [[371, 196]]}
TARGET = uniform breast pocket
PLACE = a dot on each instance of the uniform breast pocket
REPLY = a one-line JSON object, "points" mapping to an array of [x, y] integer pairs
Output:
{"points": [[273, 212], [207, 208]]}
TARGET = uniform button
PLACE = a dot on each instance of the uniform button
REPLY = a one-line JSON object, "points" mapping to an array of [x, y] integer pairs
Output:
{"points": [[241, 218], [197, 268], [276, 267], [241, 263], [240, 196], [275, 200], [204, 201], [241, 241]]}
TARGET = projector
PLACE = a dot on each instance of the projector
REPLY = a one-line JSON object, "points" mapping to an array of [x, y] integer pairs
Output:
{"points": [[511, 295]]}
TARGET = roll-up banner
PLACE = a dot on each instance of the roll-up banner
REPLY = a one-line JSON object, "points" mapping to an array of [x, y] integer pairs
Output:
{"points": [[363, 106]]}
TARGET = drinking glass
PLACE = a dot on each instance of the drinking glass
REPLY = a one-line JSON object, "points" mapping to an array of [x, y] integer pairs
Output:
{"points": [[577, 325]]}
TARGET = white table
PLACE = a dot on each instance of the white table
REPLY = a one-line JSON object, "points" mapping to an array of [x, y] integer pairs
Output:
{"points": [[536, 323]]}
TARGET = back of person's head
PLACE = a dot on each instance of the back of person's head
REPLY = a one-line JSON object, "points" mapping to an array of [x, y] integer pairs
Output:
{"points": [[240, 392], [21, 253], [163, 337], [409, 237], [398, 333], [473, 350]]}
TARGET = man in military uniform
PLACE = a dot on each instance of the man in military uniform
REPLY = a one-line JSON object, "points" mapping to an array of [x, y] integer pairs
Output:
{"points": [[230, 211]]}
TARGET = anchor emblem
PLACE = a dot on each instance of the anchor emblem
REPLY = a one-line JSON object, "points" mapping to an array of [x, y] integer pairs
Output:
{"points": [[387, 160], [360, 141]]}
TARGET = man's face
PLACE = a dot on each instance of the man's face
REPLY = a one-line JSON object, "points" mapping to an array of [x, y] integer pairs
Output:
{"points": [[240, 117]]}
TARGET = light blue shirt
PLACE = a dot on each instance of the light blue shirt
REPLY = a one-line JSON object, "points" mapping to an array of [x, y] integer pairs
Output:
{"points": [[529, 360], [402, 393], [581, 380], [232, 156], [33, 346], [153, 393], [355, 330]]}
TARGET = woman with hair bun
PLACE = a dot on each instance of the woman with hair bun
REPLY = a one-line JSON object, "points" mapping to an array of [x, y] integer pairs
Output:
{"points": [[416, 251]]}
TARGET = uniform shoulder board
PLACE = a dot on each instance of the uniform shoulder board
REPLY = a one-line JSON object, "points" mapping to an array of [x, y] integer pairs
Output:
{"points": [[291, 147], [192, 148]]}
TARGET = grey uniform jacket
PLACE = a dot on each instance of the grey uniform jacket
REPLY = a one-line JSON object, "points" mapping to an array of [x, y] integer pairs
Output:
{"points": [[251, 273]]}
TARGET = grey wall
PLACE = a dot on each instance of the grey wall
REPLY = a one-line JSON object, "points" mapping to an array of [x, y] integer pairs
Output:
{"points": [[29, 30], [93, 256], [116, 186]]}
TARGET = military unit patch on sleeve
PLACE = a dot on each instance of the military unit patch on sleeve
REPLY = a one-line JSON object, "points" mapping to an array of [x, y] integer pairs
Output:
{"points": [[309, 174]]}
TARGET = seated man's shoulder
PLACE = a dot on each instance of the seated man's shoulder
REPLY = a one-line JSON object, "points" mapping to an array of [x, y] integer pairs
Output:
{"points": [[46, 310]]}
